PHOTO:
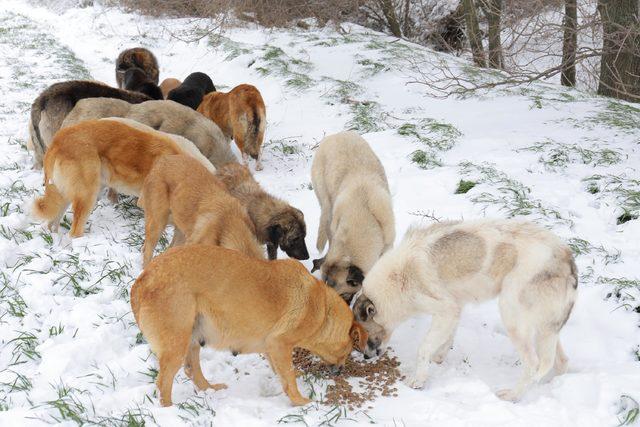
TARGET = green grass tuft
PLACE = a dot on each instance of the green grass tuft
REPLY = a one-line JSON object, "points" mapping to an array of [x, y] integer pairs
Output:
{"points": [[464, 186]]}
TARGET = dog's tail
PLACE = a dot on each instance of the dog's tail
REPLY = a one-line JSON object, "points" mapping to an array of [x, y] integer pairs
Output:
{"points": [[49, 206], [36, 142], [255, 131]]}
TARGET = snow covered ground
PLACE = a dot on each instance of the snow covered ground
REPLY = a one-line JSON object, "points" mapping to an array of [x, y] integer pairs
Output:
{"points": [[70, 351]]}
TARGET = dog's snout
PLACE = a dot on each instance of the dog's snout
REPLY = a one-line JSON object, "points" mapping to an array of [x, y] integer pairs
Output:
{"points": [[374, 344], [335, 370]]}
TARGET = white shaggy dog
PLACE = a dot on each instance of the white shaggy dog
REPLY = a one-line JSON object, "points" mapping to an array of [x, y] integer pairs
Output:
{"points": [[356, 213], [438, 269]]}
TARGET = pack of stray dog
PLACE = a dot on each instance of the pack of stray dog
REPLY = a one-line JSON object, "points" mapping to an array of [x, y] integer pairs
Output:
{"points": [[169, 145]]}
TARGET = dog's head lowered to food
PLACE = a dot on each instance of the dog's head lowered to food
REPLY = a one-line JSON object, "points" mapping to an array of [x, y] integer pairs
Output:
{"points": [[342, 276], [364, 312], [288, 230]]}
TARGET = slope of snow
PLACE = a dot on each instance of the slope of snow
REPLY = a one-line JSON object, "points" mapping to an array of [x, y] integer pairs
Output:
{"points": [[70, 351]]}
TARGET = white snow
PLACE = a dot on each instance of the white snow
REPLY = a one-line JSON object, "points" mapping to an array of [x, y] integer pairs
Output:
{"points": [[68, 341]]}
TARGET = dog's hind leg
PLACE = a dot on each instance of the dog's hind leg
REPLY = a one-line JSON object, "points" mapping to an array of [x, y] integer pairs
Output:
{"points": [[170, 360], [325, 212], [82, 206], [194, 371], [521, 331], [546, 345], [156, 215], [443, 326], [562, 362]]}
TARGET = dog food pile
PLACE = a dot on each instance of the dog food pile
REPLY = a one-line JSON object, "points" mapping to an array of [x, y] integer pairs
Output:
{"points": [[377, 378]]}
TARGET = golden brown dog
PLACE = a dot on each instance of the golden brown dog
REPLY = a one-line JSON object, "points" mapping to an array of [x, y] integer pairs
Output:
{"points": [[277, 223], [92, 154], [241, 115], [201, 209], [199, 294], [168, 85]]}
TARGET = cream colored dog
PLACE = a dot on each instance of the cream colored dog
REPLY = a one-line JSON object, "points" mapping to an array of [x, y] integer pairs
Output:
{"points": [[356, 213], [438, 269]]}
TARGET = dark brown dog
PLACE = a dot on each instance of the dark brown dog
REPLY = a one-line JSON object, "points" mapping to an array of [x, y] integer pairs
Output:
{"points": [[137, 81], [207, 295], [277, 223], [137, 57]]}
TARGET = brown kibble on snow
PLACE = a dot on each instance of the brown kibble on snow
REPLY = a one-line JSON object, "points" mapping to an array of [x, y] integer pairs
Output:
{"points": [[378, 377]]}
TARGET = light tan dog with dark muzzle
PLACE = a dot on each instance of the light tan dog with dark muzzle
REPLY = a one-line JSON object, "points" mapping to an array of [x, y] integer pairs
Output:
{"points": [[201, 209], [206, 295], [356, 215]]}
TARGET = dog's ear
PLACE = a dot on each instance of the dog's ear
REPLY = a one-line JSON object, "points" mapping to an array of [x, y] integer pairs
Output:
{"points": [[317, 263], [364, 309], [274, 232], [358, 336], [354, 276]]}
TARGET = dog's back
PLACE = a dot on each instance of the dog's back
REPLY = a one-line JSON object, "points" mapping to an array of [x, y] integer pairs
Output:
{"points": [[192, 90], [186, 146], [96, 108], [165, 116], [52, 106]]}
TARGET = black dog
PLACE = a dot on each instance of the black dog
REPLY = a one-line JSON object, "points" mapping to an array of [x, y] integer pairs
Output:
{"points": [[192, 90], [135, 79]]}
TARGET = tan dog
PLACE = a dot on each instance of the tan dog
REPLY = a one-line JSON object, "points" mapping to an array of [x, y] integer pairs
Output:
{"points": [[96, 153], [195, 295], [201, 209], [356, 215], [276, 222], [241, 115], [165, 116], [168, 85]]}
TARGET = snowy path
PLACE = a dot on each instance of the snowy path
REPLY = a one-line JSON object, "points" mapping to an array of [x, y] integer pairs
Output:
{"points": [[70, 350]]}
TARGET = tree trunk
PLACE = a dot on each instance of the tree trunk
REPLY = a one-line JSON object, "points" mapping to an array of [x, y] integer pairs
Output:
{"points": [[473, 33], [389, 11], [493, 11], [569, 43], [406, 19], [620, 64]]}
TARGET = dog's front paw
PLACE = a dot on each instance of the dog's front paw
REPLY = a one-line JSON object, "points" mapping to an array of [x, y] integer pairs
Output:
{"points": [[219, 386], [509, 394], [438, 358], [415, 381], [300, 401]]}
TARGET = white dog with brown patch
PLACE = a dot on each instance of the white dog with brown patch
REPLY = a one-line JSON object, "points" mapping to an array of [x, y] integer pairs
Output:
{"points": [[438, 269]]}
